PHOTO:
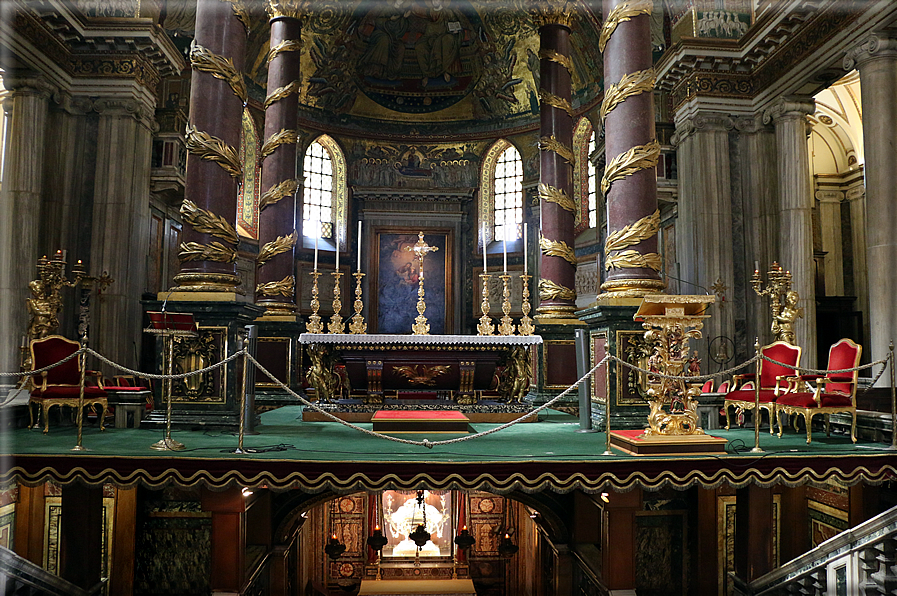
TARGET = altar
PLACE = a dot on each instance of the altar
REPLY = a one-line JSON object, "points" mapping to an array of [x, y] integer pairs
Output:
{"points": [[446, 371]]}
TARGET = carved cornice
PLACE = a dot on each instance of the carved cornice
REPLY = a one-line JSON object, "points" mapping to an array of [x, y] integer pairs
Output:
{"points": [[877, 45], [789, 108]]}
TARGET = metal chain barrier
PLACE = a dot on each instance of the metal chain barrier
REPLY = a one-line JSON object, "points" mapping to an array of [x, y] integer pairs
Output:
{"points": [[138, 373], [694, 379], [822, 371], [28, 373]]}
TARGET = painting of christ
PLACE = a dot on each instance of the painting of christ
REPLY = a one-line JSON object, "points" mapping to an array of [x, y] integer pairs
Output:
{"points": [[397, 280]]}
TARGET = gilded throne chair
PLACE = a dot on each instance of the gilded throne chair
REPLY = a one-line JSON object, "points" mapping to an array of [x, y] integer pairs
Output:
{"points": [[773, 382]]}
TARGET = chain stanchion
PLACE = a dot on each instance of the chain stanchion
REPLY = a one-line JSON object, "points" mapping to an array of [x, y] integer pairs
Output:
{"points": [[243, 401], [756, 448], [82, 362], [893, 446]]}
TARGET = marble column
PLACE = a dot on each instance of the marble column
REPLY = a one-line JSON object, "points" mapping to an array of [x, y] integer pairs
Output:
{"points": [[704, 245], [789, 116], [120, 220], [208, 250], [856, 198], [20, 208], [629, 182], [278, 211], [876, 59], [557, 282], [832, 244]]}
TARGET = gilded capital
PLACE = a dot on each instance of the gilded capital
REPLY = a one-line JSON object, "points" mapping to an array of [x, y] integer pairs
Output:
{"points": [[554, 12], [789, 108], [284, 8], [877, 45]]}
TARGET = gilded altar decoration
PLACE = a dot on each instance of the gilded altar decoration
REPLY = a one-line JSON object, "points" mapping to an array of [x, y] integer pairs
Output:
{"points": [[213, 149], [279, 245], [554, 56], [640, 157], [336, 324], [549, 290], [506, 325], [219, 67], [634, 233], [418, 374], [287, 45], [282, 92], [485, 326], [670, 322], [214, 251], [782, 301], [553, 144], [622, 12], [420, 250], [632, 259], [555, 195], [281, 137], [357, 324], [641, 81], [285, 287], [526, 326], [320, 373], [557, 248], [195, 353], [517, 374], [548, 98], [314, 324], [278, 191], [207, 222], [284, 8]]}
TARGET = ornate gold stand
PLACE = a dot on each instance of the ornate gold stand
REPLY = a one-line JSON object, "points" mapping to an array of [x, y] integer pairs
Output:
{"points": [[336, 324], [783, 301], [314, 321], [358, 325], [526, 326], [486, 326], [506, 327], [420, 249]]}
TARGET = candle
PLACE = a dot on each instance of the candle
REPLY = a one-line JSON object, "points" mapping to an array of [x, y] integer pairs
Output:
{"points": [[484, 248], [504, 248], [358, 266], [757, 266], [524, 250], [337, 248], [317, 233]]}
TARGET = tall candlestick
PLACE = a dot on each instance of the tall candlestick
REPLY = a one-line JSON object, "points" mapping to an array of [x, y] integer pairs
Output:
{"points": [[337, 249], [317, 233], [524, 250], [358, 266], [484, 248], [504, 247]]}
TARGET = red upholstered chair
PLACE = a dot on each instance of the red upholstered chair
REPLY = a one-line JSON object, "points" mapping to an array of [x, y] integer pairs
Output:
{"points": [[831, 393], [773, 381], [723, 387], [707, 387], [61, 385]]}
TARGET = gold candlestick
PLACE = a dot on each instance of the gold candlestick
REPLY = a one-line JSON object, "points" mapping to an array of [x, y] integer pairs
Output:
{"points": [[336, 324], [358, 325], [526, 326], [782, 301], [507, 325], [314, 321], [486, 326]]}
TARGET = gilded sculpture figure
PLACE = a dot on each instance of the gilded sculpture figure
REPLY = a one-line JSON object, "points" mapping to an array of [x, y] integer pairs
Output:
{"points": [[783, 321]]}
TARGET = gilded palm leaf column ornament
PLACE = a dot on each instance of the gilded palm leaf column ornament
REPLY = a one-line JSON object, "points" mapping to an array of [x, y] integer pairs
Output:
{"points": [[278, 232], [214, 170], [629, 183], [420, 250], [557, 297]]}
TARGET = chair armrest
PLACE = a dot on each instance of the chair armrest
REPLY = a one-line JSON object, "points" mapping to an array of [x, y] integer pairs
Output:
{"points": [[841, 378], [738, 379], [98, 375], [790, 384], [811, 377]]}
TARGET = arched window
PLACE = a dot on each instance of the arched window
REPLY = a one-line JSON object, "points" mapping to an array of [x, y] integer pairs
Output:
{"points": [[501, 198], [592, 190], [585, 178], [324, 194]]}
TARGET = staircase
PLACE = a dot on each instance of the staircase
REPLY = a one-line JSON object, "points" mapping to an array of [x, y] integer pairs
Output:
{"points": [[21, 577]]}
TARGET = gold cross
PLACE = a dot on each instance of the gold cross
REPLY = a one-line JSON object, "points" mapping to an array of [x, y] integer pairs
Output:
{"points": [[421, 248]]}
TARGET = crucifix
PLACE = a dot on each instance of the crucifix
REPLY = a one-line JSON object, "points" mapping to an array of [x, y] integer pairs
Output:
{"points": [[420, 250]]}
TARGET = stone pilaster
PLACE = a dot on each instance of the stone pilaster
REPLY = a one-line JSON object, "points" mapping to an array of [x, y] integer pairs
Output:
{"points": [[876, 59], [856, 197], [832, 244], [705, 218], [20, 208], [789, 116]]}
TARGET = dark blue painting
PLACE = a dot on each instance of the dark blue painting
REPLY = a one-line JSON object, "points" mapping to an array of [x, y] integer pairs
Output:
{"points": [[398, 277]]}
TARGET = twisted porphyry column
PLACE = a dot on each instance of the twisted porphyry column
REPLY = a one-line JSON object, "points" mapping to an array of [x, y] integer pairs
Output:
{"points": [[557, 296], [217, 98], [629, 183], [276, 290]]}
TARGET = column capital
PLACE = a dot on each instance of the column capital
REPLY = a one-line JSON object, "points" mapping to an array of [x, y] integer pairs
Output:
{"points": [[829, 196], [702, 122], [877, 45], [33, 85], [554, 12], [856, 193], [292, 9], [789, 108]]}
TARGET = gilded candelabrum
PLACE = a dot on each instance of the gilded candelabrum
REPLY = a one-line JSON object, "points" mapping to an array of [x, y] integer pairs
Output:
{"points": [[782, 301], [506, 326], [486, 326], [357, 325], [314, 321], [420, 249], [526, 326], [336, 324], [670, 322]]}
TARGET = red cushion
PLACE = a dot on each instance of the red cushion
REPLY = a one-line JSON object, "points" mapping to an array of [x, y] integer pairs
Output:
{"points": [[780, 352], [51, 350], [766, 395], [805, 400], [68, 391]]}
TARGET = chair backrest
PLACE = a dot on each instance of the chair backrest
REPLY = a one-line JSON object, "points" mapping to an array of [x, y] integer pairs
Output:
{"points": [[52, 349], [843, 354], [779, 351], [723, 387], [708, 387]]}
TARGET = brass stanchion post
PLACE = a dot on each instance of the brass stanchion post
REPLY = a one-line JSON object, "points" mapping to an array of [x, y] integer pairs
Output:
{"points": [[756, 448], [893, 398], [243, 400], [82, 361]]}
